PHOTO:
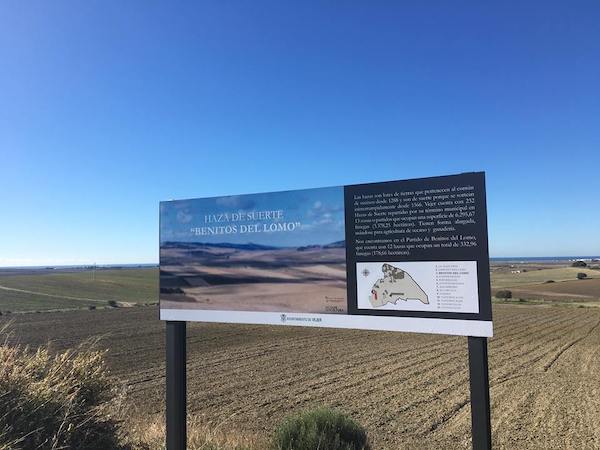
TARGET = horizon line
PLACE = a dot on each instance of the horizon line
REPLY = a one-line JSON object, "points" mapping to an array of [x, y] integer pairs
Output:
{"points": [[157, 263]]}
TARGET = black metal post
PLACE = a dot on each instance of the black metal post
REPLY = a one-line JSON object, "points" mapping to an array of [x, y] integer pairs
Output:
{"points": [[480, 394], [176, 387]]}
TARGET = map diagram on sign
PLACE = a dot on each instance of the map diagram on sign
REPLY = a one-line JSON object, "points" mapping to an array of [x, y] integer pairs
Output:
{"points": [[395, 285]]}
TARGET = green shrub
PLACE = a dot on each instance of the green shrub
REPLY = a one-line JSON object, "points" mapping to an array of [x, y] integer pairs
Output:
{"points": [[56, 401], [504, 294], [579, 264], [549, 281], [581, 275], [321, 428], [113, 304]]}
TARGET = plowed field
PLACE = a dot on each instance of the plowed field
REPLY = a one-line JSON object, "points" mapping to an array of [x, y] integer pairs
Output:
{"points": [[410, 391]]}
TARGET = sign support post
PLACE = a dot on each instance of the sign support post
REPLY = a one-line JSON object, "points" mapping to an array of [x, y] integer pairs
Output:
{"points": [[480, 393], [176, 386]]}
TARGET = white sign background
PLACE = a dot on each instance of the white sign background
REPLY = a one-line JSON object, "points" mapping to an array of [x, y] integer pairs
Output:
{"points": [[462, 286]]}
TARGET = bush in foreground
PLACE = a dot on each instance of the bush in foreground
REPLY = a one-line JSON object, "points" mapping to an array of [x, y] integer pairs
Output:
{"points": [[56, 401], [581, 275], [504, 294], [320, 429]]}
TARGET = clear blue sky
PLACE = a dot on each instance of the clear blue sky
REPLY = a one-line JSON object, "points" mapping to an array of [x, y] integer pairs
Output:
{"points": [[106, 108]]}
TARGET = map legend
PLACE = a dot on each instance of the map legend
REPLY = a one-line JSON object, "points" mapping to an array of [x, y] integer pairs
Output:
{"points": [[455, 282]]}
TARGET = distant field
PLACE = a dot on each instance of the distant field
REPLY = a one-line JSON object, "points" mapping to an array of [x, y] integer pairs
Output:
{"points": [[77, 289], [52, 290], [548, 284], [21, 301], [575, 290], [504, 278]]}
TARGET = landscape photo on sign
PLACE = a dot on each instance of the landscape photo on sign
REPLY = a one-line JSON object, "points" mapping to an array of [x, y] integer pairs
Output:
{"points": [[274, 252]]}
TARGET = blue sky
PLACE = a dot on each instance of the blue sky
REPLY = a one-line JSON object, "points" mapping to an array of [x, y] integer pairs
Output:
{"points": [[282, 219], [107, 108]]}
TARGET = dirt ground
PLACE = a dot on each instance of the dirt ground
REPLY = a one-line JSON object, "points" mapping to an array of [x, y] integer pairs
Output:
{"points": [[409, 390], [582, 290]]}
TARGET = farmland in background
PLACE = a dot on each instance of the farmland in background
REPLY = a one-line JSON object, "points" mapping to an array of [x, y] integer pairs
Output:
{"points": [[409, 390], [548, 283], [44, 290], [503, 278]]}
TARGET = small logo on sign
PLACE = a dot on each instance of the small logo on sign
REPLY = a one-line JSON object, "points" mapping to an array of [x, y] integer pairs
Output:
{"points": [[283, 317]]}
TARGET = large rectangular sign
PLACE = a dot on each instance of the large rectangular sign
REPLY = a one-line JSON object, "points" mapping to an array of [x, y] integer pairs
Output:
{"points": [[407, 255]]}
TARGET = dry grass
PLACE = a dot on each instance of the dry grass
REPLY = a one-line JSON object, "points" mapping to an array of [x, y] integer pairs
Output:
{"points": [[56, 401], [69, 400], [149, 434]]}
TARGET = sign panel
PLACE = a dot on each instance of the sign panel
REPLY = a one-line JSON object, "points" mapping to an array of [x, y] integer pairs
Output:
{"points": [[407, 255]]}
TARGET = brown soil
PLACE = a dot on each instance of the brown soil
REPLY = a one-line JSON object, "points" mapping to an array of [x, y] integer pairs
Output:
{"points": [[409, 390], [574, 289]]}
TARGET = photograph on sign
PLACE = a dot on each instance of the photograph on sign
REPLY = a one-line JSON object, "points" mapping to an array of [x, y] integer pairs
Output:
{"points": [[278, 252], [403, 255]]}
